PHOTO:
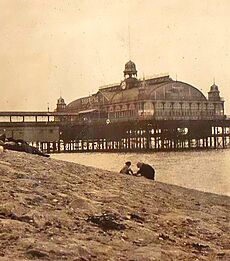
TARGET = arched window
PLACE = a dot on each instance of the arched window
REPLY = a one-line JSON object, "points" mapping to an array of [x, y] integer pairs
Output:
{"points": [[210, 106], [194, 106], [132, 107], [185, 106], [111, 109], [148, 105], [148, 108], [160, 105], [124, 107], [117, 108], [167, 105]]}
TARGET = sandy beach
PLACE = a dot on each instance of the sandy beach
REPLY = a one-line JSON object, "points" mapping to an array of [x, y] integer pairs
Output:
{"points": [[57, 210]]}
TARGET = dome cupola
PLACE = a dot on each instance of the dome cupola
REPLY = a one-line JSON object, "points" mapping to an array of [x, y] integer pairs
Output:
{"points": [[61, 105], [60, 101], [214, 94], [214, 87], [130, 69]]}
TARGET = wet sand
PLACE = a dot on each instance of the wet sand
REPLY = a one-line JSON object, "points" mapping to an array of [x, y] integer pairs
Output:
{"points": [[57, 210]]}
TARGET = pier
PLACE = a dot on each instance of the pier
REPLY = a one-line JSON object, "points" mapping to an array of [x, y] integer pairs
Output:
{"points": [[146, 135], [58, 132]]}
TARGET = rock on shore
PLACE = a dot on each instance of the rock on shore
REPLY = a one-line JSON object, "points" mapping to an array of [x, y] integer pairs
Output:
{"points": [[54, 210]]}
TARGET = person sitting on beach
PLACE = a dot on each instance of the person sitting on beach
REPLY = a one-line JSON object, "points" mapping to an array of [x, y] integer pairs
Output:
{"points": [[145, 170], [126, 169]]}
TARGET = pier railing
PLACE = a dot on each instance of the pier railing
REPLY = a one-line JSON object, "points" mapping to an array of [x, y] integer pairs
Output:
{"points": [[36, 117]]}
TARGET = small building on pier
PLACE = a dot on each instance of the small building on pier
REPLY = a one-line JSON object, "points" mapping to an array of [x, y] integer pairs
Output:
{"points": [[159, 98]]}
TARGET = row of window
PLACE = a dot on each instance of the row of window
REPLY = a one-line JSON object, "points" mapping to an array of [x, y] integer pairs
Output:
{"points": [[122, 114], [187, 113], [26, 118], [165, 106], [126, 114]]}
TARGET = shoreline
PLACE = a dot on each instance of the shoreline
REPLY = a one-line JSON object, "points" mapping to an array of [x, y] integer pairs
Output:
{"points": [[57, 210], [170, 184], [191, 170]]}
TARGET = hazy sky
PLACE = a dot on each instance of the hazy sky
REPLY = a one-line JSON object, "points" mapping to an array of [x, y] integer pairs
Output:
{"points": [[75, 46]]}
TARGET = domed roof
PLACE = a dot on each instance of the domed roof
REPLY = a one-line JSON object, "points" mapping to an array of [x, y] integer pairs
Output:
{"points": [[169, 91], [75, 105], [126, 96], [130, 64], [60, 101], [214, 87], [130, 68]]}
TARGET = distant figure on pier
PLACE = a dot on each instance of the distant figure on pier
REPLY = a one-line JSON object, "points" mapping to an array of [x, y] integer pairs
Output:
{"points": [[145, 170], [127, 168]]}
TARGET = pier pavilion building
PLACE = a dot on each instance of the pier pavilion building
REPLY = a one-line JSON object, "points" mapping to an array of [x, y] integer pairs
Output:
{"points": [[156, 113], [157, 98]]}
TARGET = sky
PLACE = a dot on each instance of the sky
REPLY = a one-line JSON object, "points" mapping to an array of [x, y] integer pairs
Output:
{"points": [[70, 48]]}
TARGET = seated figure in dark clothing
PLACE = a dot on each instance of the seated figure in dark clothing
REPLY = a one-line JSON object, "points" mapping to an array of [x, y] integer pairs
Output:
{"points": [[146, 170], [126, 169]]}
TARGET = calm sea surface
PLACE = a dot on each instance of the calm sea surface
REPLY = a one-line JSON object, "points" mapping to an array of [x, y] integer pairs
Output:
{"points": [[202, 170]]}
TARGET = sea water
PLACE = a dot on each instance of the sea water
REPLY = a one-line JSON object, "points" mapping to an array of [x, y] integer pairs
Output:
{"points": [[202, 170]]}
